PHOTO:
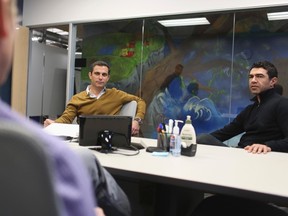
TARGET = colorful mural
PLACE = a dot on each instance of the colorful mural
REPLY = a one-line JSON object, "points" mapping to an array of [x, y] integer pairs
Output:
{"points": [[213, 85]]}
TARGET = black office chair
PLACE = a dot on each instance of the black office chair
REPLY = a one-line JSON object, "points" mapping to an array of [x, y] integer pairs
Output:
{"points": [[26, 186]]}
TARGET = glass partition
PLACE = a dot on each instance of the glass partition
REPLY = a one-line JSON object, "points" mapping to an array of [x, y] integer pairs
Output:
{"points": [[197, 70]]}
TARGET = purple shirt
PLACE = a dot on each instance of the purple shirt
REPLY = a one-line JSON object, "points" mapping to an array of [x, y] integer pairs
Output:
{"points": [[71, 181]]}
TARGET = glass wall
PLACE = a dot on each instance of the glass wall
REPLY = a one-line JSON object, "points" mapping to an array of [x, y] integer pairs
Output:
{"points": [[146, 60]]}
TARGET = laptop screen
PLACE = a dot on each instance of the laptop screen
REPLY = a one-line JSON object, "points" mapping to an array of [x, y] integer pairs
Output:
{"points": [[91, 127]]}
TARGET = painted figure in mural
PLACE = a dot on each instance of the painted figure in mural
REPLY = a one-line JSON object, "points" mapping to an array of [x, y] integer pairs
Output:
{"points": [[193, 88], [175, 85], [264, 122], [174, 82], [176, 100], [99, 100]]}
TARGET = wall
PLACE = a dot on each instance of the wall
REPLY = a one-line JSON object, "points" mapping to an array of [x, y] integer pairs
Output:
{"points": [[65, 11], [46, 80], [20, 70]]}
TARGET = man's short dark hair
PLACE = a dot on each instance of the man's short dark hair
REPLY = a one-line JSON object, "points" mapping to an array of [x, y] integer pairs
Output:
{"points": [[100, 63], [278, 88], [271, 69]]}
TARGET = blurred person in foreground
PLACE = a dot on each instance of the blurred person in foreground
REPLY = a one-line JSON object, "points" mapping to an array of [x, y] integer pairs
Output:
{"points": [[78, 176]]}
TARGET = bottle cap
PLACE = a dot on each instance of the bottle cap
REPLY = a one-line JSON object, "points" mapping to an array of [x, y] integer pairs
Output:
{"points": [[188, 119]]}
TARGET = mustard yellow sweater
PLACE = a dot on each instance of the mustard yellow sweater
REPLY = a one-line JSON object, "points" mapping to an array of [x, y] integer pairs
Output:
{"points": [[110, 103]]}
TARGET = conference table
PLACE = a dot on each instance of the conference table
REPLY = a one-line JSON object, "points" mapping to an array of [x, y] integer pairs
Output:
{"points": [[213, 170], [217, 170]]}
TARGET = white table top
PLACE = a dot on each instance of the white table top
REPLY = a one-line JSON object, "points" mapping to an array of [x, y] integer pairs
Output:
{"points": [[229, 171]]}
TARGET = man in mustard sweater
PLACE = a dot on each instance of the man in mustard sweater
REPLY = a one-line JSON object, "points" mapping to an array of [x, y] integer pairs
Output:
{"points": [[99, 100]]}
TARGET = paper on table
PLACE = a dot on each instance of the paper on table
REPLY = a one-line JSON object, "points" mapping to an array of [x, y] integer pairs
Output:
{"points": [[60, 129]]}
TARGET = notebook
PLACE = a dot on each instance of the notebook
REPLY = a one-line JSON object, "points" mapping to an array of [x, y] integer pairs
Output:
{"points": [[118, 128]]}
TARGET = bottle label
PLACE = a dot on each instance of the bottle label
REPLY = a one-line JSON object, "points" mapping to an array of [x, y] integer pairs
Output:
{"points": [[186, 137], [172, 142], [177, 148]]}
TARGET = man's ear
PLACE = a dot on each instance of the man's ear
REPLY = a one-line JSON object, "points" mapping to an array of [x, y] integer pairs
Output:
{"points": [[274, 80], [89, 73], [2, 28], [3, 16]]}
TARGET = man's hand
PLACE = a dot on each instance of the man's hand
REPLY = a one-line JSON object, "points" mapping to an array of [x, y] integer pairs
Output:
{"points": [[135, 127], [257, 148], [99, 211], [48, 122]]}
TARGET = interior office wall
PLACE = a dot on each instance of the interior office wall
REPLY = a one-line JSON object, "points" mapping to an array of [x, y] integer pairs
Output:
{"points": [[46, 80], [37, 13]]}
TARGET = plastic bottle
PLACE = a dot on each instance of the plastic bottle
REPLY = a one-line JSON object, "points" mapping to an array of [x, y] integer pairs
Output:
{"points": [[188, 134], [170, 126], [172, 143], [175, 140]]}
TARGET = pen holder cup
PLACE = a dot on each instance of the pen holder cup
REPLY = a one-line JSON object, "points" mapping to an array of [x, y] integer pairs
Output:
{"points": [[189, 151], [163, 141]]}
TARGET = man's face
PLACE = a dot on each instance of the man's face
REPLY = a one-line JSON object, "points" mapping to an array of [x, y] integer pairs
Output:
{"points": [[7, 32], [259, 81], [99, 76]]}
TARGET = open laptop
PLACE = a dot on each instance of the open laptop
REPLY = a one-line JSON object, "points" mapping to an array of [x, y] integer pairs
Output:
{"points": [[99, 130]]}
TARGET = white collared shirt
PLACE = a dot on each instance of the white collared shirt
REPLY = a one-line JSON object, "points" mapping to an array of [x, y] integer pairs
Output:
{"points": [[91, 95]]}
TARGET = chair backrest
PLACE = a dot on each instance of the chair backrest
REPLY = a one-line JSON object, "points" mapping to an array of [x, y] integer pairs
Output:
{"points": [[129, 109], [26, 186]]}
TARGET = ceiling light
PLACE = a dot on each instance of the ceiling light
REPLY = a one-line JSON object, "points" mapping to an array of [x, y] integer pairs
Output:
{"points": [[277, 16], [184, 22], [57, 31]]}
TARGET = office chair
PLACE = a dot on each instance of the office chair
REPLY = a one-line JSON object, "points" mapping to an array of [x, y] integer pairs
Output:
{"points": [[26, 186], [129, 109]]}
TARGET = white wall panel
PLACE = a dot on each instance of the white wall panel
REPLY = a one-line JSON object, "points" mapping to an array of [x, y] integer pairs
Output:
{"points": [[43, 12], [46, 80]]}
